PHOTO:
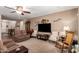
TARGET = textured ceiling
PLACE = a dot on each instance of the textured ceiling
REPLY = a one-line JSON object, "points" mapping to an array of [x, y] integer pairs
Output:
{"points": [[35, 11]]}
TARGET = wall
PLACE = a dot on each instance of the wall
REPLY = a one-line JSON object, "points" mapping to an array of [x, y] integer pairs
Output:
{"points": [[0, 27], [11, 24], [1, 43], [22, 25], [68, 18], [78, 22]]}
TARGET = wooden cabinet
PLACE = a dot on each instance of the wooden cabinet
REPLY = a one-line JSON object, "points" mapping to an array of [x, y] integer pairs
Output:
{"points": [[43, 36]]}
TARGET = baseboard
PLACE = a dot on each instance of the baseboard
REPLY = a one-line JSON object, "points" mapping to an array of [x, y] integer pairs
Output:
{"points": [[33, 37], [52, 41]]}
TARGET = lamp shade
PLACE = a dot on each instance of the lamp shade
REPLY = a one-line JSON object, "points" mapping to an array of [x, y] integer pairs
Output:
{"points": [[66, 28], [19, 12]]}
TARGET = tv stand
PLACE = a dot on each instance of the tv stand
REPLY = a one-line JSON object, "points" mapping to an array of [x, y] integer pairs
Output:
{"points": [[43, 36]]}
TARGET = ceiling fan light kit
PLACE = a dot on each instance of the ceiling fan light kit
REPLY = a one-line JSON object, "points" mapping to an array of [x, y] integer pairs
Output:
{"points": [[19, 9], [19, 12]]}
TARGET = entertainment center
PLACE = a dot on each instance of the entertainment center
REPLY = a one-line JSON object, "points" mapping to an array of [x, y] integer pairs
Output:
{"points": [[43, 36], [44, 31]]}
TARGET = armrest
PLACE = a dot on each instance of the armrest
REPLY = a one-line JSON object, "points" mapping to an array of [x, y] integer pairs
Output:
{"points": [[65, 43]]}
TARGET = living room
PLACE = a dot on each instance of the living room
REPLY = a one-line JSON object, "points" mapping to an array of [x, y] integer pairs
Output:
{"points": [[39, 31]]}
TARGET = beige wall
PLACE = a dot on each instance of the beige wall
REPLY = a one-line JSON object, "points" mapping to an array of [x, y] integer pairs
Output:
{"points": [[1, 43], [22, 25], [0, 27], [11, 24], [78, 22], [68, 18]]}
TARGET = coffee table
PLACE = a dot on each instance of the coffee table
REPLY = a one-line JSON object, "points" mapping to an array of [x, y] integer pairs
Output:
{"points": [[20, 49]]}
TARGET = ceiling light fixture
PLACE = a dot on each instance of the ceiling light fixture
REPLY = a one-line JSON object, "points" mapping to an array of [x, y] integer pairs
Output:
{"points": [[19, 9]]}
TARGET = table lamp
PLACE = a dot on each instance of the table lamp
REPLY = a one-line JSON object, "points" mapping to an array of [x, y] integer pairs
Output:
{"points": [[66, 28]]}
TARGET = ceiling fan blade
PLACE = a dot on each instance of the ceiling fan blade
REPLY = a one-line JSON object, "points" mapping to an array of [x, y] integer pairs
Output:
{"points": [[13, 12], [22, 13], [9, 7], [27, 12]]}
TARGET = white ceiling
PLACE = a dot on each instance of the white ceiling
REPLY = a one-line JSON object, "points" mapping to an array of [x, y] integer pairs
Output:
{"points": [[35, 11]]}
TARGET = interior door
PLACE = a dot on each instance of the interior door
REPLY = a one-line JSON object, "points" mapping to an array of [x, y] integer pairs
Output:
{"points": [[27, 26]]}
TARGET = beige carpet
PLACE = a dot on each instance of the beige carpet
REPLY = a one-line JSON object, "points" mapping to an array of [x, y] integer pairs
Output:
{"points": [[39, 46]]}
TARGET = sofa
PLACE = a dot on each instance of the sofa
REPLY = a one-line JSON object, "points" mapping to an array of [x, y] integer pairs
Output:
{"points": [[20, 35], [9, 45]]}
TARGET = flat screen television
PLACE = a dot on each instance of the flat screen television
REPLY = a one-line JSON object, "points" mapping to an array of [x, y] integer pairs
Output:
{"points": [[44, 27]]}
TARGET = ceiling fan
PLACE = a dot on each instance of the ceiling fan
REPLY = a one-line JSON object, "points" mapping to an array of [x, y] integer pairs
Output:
{"points": [[19, 9]]}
